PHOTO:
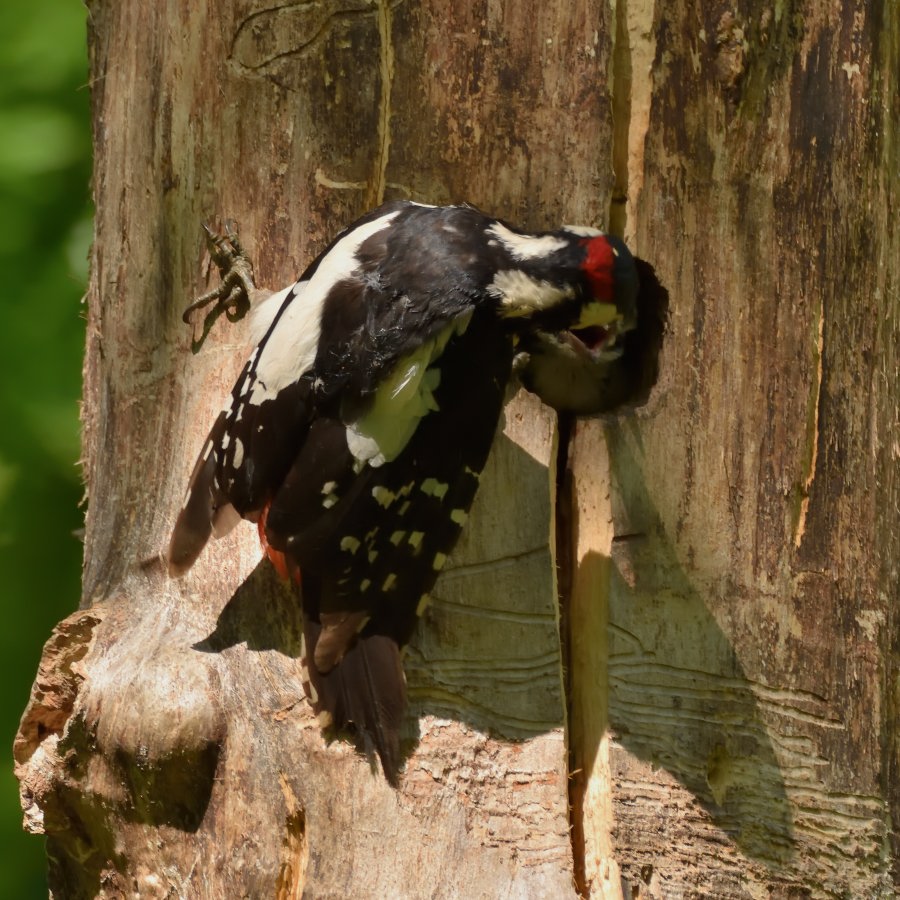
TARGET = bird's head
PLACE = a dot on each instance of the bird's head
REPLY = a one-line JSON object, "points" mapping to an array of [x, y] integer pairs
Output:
{"points": [[576, 280], [609, 305]]}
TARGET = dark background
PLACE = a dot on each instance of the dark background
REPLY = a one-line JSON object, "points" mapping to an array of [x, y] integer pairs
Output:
{"points": [[45, 231]]}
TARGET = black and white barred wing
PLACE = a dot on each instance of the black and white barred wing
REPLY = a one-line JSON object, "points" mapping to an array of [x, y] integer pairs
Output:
{"points": [[250, 446], [371, 507], [263, 426], [370, 513]]}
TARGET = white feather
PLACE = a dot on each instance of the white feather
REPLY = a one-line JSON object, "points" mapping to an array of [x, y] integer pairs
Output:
{"points": [[526, 246], [402, 399], [291, 348], [262, 315], [583, 230], [522, 295]]}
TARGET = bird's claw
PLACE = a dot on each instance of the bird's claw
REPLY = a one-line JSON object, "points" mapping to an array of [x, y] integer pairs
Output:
{"points": [[232, 296]]}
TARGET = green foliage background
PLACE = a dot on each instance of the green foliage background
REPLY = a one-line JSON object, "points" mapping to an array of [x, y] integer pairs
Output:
{"points": [[45, 227]]}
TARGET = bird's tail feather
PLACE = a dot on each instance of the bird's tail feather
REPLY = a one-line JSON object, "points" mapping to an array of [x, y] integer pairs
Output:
{"points": [[365, 689]]}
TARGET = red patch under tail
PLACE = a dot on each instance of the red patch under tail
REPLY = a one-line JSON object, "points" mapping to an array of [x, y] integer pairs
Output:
{"points": [[286, 568]]}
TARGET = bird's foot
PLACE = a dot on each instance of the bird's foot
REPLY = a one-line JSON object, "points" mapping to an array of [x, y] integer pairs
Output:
{"points": [[232, 296]]}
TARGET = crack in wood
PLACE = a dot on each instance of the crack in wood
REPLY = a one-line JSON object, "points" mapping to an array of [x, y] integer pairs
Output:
{"points": [[295, 849], [268, 36], [491, 565], [620, 95], [384, 18], [812, 431], [510, 616], [565, 553]]}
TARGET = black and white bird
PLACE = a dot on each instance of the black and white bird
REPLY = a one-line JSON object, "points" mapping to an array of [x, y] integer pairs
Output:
{"points": [[357, 431]]}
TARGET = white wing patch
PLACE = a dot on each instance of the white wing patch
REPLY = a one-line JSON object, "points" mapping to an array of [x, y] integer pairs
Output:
{"points": [[583, 230], [522, 295], [383, 497], [459, 516], [526, 246], [238, 453], [402, 399], [291, 348], [434, 488], [263, 314]]}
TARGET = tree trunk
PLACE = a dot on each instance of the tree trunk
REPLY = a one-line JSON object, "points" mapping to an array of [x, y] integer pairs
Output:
{"points": [[728, 552]]}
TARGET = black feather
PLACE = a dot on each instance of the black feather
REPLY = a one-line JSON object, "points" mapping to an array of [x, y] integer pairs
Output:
{"points": [[366, 690], [203, 503]]}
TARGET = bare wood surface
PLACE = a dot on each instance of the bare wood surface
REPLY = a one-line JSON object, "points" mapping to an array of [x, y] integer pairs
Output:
{"points": [[749, 618]]}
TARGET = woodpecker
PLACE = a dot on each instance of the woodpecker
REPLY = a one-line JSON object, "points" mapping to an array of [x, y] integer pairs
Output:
{"points": [[357, 431]]}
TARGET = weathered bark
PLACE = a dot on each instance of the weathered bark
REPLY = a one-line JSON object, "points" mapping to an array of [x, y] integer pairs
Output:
{"points": [[743, 658], [729, 637]]}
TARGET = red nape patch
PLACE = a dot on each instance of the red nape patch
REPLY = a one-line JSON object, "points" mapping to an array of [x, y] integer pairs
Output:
{"points": [[598, 266], [286, 569]]}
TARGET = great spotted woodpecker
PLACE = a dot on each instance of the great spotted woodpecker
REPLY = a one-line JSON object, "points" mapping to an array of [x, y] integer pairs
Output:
{"points": [[357, 431]]}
